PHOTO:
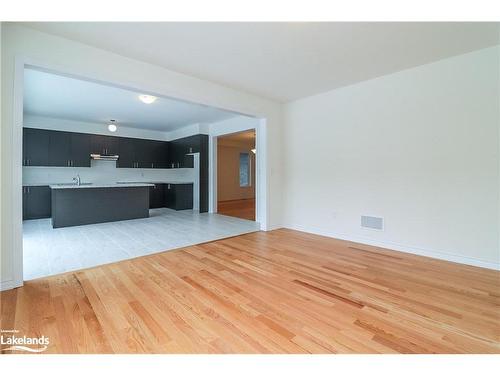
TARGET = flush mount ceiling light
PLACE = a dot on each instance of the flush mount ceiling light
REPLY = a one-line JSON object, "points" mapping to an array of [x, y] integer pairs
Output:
{"points": [[147, 99], [112, 126]]}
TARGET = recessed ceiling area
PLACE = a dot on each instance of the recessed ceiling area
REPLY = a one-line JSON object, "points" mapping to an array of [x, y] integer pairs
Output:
{"points": [[51, 95], [282, 61]]}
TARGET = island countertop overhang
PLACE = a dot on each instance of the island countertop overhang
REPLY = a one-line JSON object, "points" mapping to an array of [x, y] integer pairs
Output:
{"points": [[94, 186]]}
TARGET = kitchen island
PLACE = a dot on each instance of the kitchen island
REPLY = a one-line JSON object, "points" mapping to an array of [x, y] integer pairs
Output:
{"points": [[74, 204]]}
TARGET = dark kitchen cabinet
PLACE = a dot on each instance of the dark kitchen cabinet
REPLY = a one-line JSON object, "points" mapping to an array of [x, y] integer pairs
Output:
{"points": [[179, 150], [142, 153], [174, 152], [157, 196], [152, 154], [69, 149], [36, 202], [35, 147], [203, 139], [159, 154], [179, 196], [126, 152], [80, 149], [104, 145], [60, 149]]}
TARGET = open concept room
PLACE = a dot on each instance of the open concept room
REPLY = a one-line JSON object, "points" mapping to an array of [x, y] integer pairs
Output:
{"points": [[250, 188]]}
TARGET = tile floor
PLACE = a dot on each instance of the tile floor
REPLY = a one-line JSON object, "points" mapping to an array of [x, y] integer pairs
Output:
{"points": [[49, 251]]}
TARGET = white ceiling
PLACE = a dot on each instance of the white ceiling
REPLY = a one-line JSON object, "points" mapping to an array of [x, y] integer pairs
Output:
{"points": [[283, 61], [52, 95]]}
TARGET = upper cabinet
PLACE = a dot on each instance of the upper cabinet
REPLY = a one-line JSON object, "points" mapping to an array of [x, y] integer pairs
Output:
{"points": [[68, 149], [180, 150], [104, 144], [126, 152], [80, 149], [142, 153], [35, 147]]}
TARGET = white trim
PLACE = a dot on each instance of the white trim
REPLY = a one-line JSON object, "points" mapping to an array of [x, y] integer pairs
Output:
{"points": [[431, 253], [17, 176], [8, 284]]}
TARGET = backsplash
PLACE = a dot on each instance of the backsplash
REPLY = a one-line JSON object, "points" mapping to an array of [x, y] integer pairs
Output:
{"points": [[106, 172]]}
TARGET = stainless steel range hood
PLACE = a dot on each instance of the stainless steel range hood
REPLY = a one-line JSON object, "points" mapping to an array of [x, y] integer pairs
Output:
{"points": [[104, 157]]}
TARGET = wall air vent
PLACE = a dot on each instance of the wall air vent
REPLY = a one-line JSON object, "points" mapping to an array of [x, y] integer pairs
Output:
{"points": [[372, 222]]}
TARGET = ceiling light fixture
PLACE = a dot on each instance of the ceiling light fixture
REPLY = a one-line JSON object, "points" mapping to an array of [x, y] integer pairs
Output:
{"points": [[147, 99], [253, 150], [112, 127]]}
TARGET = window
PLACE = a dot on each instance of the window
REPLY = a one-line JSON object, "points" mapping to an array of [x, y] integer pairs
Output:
{"points": [[244, 169]]}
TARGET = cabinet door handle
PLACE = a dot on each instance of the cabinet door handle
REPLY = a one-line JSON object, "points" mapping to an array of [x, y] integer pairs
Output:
{"points": [[152, 165]]}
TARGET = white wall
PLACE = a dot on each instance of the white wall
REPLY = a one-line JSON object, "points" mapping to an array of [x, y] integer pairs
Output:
{"points": [[419, 148], [69, 57]]}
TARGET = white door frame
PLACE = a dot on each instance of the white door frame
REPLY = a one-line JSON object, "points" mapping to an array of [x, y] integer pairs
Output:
{"points": [[259, 125], [17, 145]]}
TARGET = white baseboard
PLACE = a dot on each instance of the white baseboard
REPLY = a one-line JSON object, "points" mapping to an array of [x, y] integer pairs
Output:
{"points": [[399, 247], [273, 227], [8, 284]]}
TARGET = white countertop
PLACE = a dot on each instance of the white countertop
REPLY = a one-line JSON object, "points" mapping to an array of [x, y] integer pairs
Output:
{"points": [[173, 182], [90, 186]]}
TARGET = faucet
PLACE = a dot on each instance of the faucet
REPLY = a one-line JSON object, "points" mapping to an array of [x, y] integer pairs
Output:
{"points": [[78, 180]]}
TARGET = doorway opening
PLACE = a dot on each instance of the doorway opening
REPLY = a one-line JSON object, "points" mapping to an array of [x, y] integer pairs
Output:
{"points": [[99, 191], [236, 174]]}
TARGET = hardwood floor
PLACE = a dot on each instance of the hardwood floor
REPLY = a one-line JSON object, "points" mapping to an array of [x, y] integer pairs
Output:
{"points": [[277, 292], [242, 208]]}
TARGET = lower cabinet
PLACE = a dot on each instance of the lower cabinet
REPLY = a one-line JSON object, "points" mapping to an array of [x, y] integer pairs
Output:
{"points": [[36, 202], [179, 196], [157, 196]]}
